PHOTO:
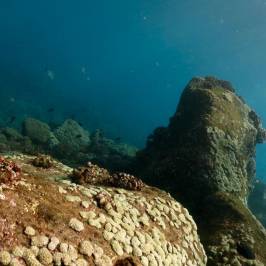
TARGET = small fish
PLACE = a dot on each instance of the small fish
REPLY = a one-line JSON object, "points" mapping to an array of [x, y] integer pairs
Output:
{"points": [[12, 119], [80, 124], [12, 99], [50, 110], [50, 74], [118, 139], [79, 136], [83, 70]]}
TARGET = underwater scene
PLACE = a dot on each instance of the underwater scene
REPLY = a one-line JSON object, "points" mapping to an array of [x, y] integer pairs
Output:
{"points": [[132, 133]]}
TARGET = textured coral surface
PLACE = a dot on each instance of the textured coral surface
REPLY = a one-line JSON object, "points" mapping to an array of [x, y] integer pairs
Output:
{"points": [[46, 219]]}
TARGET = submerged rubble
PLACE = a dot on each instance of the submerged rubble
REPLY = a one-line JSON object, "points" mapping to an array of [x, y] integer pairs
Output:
{"points": [[59, 222]]}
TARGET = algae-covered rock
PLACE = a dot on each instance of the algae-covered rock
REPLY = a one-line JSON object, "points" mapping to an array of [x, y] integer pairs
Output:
{"points": [[72, 137], [257, 201], [209, 145], [230, 232], [59, 222], [11, 134], [12, 140], [94, 175], [39, 132], [72, 144], [206, 158]]}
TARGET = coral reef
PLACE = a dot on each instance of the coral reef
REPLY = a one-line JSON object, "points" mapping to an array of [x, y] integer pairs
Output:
{"points": [[206, 159], [57, 222], [69, 143], [9, 172], [42, 160]]}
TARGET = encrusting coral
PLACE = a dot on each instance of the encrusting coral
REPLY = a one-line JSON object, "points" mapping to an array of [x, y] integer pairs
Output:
{"points": [[95, 175], [50, 224], [9, 172], [91, 174], [127, 181], [44, 161]]}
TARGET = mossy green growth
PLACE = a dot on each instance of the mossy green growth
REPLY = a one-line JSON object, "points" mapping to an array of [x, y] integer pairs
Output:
{"points": [[228, 112], [222, 216]]}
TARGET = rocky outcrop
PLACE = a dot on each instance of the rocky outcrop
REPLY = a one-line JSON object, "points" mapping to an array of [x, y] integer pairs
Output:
{"points": [[69, 143], [12, 140], [205, 158], [209, 145], [72, 137], [39, 132], [45, 219]]}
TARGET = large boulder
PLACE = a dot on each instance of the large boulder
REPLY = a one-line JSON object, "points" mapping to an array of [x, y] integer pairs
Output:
{"points": [[11, 134], [72, 138], [39, 132], [206, 159], [45, 219], [209, 145], [12, 140]]}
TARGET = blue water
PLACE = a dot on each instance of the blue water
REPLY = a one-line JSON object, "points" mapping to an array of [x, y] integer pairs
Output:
{"points": [[121, 65]]}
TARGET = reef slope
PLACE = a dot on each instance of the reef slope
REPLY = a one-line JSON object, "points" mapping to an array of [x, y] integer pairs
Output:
{"points": [[48, 220]]}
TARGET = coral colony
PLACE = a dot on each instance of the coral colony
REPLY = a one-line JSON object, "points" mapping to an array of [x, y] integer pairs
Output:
{"points": [[9, 171]]}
